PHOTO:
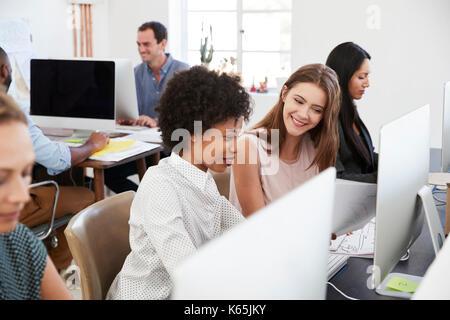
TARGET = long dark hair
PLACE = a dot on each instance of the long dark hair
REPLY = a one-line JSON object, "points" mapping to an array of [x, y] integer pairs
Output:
{"points": [[346, 59]]}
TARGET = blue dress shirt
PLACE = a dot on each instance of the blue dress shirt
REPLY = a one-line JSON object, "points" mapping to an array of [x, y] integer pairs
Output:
{"points": [[147, 87], [53, 155]]}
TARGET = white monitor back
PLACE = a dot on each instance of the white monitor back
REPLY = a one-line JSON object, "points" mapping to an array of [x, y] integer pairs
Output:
{"points": [[402, 171], [446, 129], [125, 85], [280, 252], [436, 282]]}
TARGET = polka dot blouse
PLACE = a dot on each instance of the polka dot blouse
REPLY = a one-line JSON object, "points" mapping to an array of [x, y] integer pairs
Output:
{"points": [[23, 258], [177, 208]]}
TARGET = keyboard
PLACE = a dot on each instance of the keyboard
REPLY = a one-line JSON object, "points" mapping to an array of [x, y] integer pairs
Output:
{"points": [[130, 128], [335, 263]]}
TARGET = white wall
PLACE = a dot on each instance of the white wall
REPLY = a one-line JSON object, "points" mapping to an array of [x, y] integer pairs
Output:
{"points": [[50, 23], [410, 52], [115, 24], [125, 17]]}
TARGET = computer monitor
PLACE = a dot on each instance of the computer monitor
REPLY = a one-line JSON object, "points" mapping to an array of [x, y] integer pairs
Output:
{"points": [[82, 93], [402, 173], [280, 252], [126, 98], [446, 129], [73, 94], [436, 281]]}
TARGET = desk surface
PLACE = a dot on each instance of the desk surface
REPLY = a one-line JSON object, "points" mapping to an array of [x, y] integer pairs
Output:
{"points": [[97, 164], [352, 279]]}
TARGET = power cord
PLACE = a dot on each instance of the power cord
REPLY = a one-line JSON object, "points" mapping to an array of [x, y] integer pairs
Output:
{"points": [[71, 177], [346, 296], [440, 202]]}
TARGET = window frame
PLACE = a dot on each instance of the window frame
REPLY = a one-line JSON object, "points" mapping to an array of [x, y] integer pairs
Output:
{"points": [[240, 31]]}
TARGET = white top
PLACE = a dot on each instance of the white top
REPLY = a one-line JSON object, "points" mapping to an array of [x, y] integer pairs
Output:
{"points": [[278, 177], [176, 209]]}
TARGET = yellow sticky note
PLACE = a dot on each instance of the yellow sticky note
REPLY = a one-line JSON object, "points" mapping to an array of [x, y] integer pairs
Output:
{"points": [[114, 146], [75, 140], [401, 284]]}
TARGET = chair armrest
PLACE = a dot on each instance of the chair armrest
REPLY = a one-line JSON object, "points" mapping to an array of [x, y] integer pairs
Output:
{"points": [[43, 235]]}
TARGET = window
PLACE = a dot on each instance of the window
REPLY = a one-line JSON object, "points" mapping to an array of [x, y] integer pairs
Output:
{"points": [[257, 33]]}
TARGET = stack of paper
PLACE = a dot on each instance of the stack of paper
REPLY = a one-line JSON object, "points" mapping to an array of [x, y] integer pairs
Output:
{"points": [[122, 148], [148, 135], [141, 134], [360, 243], [114, 146]]}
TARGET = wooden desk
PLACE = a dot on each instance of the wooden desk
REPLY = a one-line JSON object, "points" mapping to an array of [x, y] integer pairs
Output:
{"points": [[100, 166]]}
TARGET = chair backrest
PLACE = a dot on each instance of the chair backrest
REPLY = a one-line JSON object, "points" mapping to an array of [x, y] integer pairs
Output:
{"points": [[98, 238], [222, 180]]}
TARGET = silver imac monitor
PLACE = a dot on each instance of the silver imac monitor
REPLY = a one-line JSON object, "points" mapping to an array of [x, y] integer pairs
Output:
{"points": [[125, 89], [436, 281], [280, 252], [446, 129], [402, 172], [73, 94]]}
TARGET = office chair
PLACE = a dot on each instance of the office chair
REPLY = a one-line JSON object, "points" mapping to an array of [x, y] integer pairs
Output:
{"points": [[98, 238], [222, 180], [43, 231]]}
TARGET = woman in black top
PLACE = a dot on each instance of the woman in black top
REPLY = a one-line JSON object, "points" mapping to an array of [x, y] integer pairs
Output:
{"points": [[356, 159]]}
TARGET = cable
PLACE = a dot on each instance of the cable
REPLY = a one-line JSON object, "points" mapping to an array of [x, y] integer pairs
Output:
{"points": [[440, 188], [346, 296], [71, 177], [439, 200]]}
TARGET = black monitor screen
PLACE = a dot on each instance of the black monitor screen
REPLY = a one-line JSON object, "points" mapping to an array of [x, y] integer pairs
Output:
{"points": [[72, 88]]}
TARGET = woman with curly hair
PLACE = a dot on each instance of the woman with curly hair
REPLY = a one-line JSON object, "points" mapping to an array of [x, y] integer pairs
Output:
{"points": [[295, 141], [177, 206]]}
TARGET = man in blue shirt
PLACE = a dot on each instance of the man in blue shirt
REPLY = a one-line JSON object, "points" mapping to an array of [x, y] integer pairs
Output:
{"points": [[151, 78], [154, 72], [56, 158]]}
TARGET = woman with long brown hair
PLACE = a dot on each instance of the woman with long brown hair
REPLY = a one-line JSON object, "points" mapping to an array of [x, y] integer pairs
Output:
{"points": [[295, 141]]}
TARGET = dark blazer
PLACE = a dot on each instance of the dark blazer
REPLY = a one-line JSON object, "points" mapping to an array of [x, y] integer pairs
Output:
{"points": [[349, 166]]}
